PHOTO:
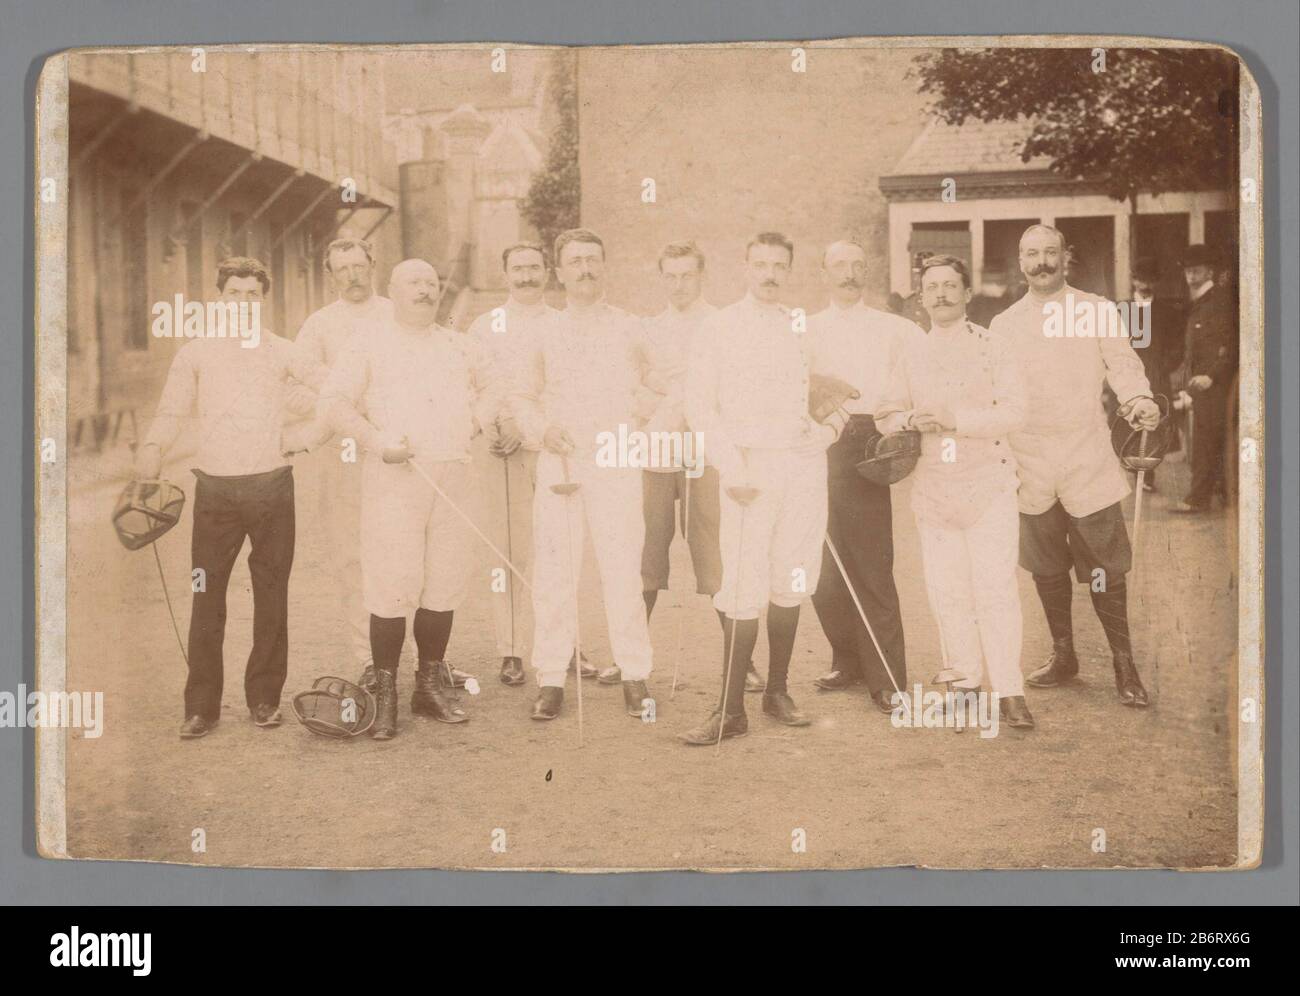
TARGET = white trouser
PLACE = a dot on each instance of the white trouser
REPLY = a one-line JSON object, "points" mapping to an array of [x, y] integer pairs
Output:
{"points": [[339, 491], [609, 504], [971, 578], [506, 492], [416, 552], [779, 556]]}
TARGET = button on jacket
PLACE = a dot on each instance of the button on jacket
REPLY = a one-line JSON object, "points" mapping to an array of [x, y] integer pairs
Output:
{"points": [[971, 372], [1064, 449], [747, 383], [581, 373]]}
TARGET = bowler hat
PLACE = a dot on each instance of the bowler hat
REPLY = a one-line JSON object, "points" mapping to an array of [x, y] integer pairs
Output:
{"points": [[1199, 255]]}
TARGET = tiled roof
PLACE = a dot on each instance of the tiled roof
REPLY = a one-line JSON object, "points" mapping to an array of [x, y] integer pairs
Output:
{"points": [[973, 147]]}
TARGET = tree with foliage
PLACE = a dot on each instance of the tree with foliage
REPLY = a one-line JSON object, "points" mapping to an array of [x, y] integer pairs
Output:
{"points": [[1132, 120], [554, 199]]}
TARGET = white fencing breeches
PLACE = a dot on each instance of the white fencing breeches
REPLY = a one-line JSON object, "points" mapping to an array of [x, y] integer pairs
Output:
{"points": [[416, 552], [506, 492], [970, 575], [339, 496], [778, 558], [609, 504]]}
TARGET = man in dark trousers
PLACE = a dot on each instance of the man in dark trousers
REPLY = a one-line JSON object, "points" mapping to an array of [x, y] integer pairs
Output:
{"points": [[230, 388], [861, 345], [1210, 365], [1162, 349]]}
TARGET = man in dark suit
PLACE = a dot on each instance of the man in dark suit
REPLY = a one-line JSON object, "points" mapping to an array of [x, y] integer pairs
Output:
{"points": [[1210, 365], [1163, 349]]}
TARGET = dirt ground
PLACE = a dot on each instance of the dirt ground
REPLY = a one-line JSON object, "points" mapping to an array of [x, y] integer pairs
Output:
{"points": [[1160, 782]]}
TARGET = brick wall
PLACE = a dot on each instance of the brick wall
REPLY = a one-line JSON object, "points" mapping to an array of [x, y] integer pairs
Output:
{"points": [[736, 143]]}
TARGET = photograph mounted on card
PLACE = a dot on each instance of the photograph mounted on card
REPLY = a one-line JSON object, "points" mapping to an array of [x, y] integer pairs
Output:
{"points": [[776, 455]]}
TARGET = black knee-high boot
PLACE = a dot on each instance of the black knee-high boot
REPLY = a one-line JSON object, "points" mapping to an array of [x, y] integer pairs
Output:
{"points": [[728, 719], [782, 624], [1111, 606], [386, 639], [738, 639], [1056, 592]]}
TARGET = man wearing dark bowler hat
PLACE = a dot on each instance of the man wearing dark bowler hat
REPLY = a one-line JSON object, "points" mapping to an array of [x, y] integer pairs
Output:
{"points": [[1209, 367], [1162, 351]]}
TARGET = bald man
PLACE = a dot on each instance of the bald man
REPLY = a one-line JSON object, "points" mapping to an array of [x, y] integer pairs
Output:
{"points": [[411, 391], [860, 345]]}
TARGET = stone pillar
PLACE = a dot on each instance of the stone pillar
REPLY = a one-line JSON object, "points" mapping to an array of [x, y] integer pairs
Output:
{"points": [[1123, 253], [424, 212]]}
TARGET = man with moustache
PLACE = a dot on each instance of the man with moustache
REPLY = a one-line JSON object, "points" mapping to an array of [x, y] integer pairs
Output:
{"points": [[580, 378], [506, 470], [861, 345], [1211, 362], [1071, 482], [409, 390], [747, 388], [350, 264], [961, 387], [667, 343]]}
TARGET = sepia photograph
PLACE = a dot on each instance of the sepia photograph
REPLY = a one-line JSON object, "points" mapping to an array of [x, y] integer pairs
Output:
{"points": [[782, 455]]}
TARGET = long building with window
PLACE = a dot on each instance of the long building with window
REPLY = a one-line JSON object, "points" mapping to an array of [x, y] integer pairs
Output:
{"points": [[179, 157]]}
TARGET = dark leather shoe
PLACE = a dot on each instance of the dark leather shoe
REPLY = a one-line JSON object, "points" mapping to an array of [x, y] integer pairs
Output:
{"points": [[265, 715], [1127, 682], [385, 726], [781, 707], [754, 682], [612, 675], [737, 725], [587, 670], [1016, 713], [368, 681], [835, 681], [884, 700], [430, 696], [512, 671], [195, 727], [548, 702], [634, 695], [1062, 665]]}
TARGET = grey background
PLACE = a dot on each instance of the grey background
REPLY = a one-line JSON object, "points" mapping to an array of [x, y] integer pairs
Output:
{"points": [[1263, 33]]}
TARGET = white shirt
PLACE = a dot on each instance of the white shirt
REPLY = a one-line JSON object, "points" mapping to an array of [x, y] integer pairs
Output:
{"points": [[973, 373], [860, 345], [505, 336], [582, 373], [239, 395], [668, 340], [1064, 449], [747, 383], [328, 329], [397, 381]]}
